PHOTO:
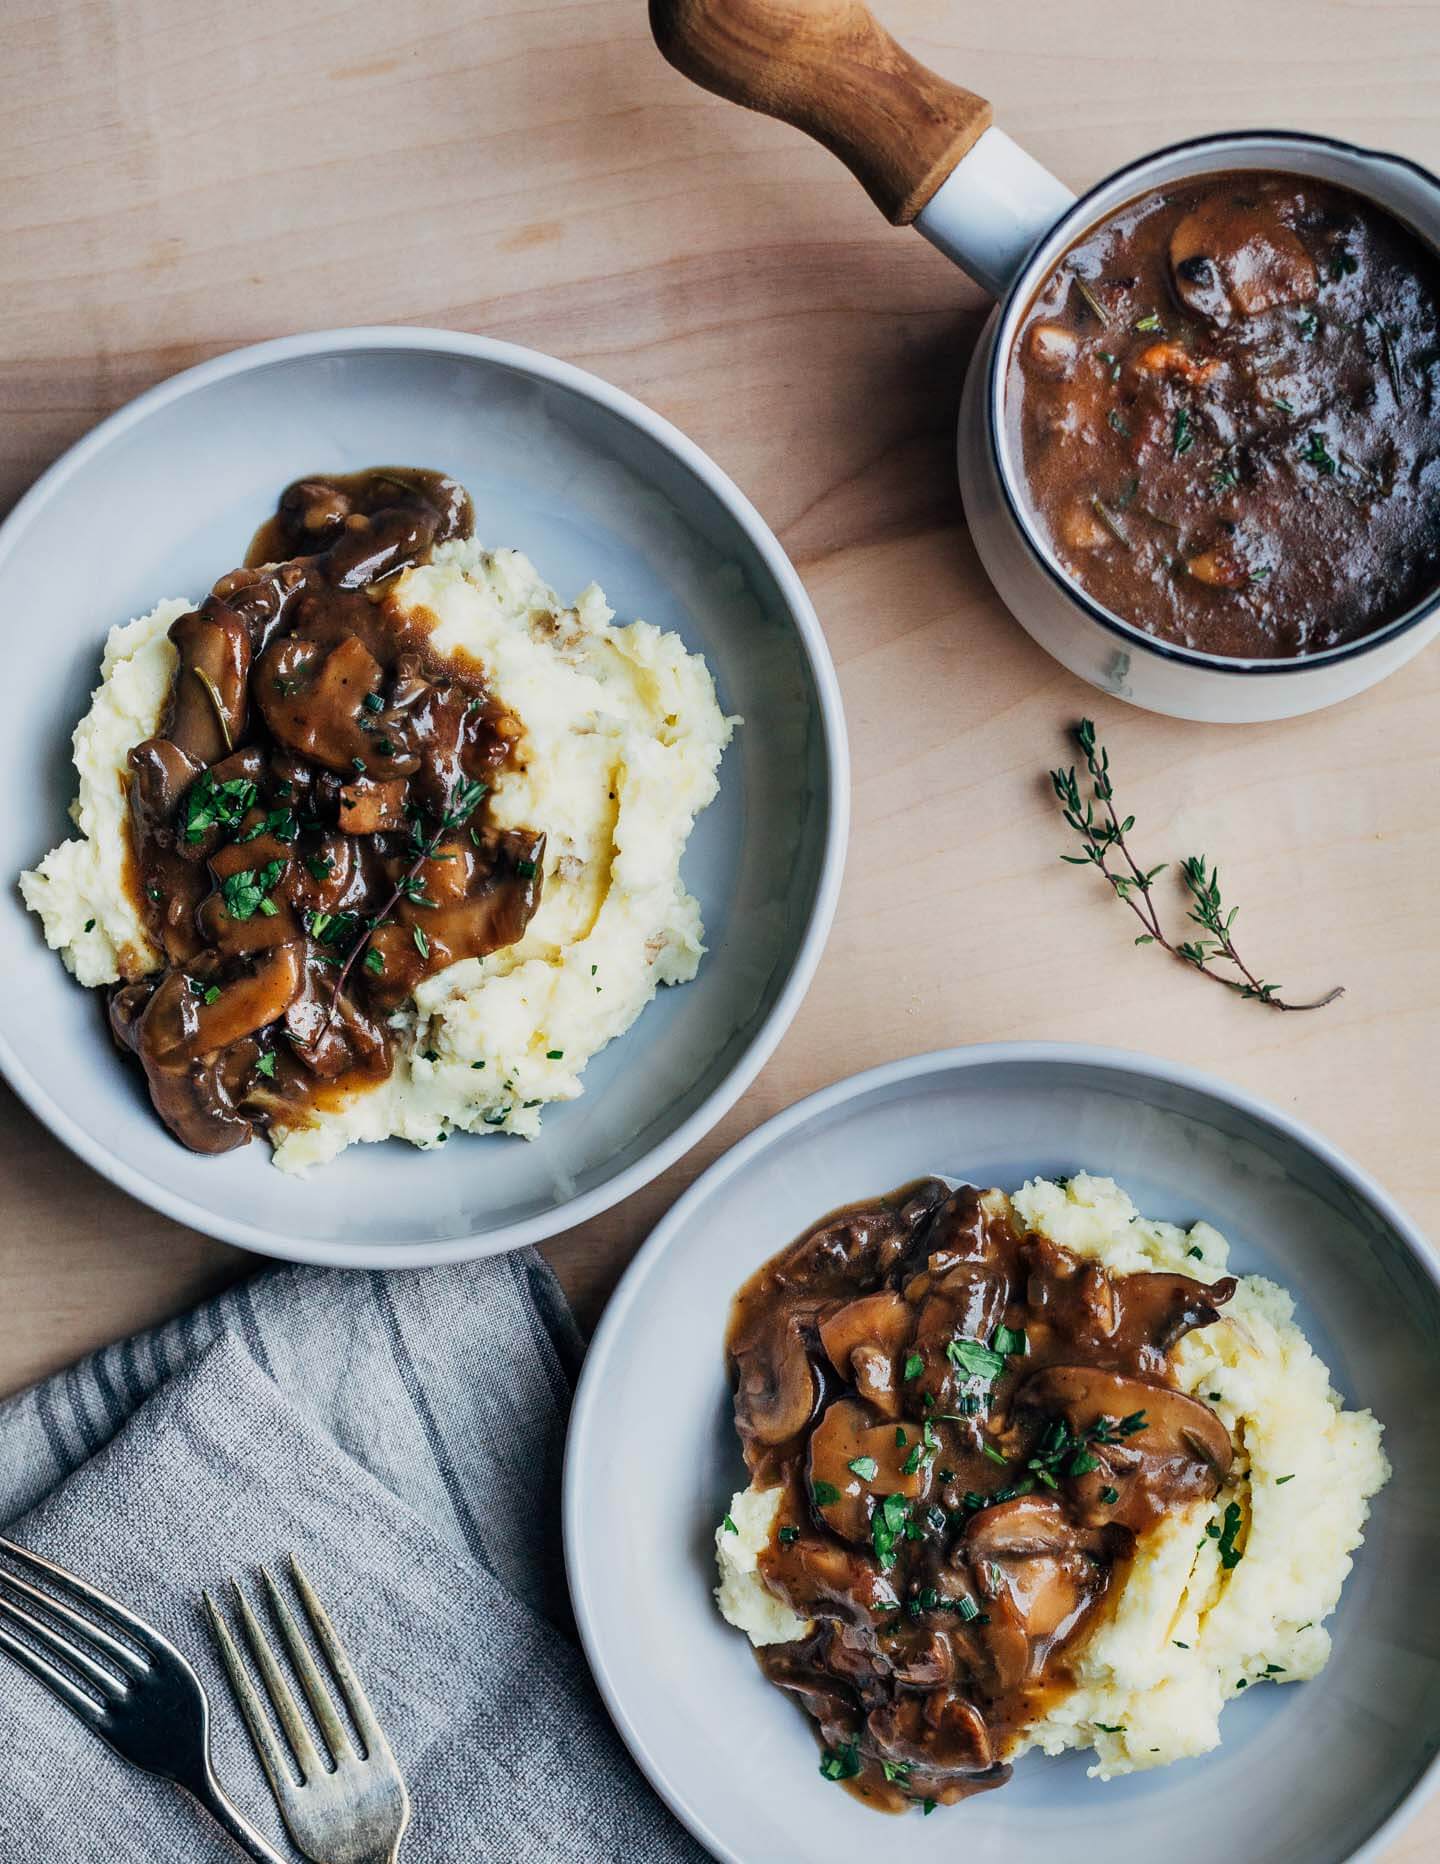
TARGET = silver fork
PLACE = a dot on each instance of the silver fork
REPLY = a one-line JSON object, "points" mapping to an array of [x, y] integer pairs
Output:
{"points": [[141, 1696], [354, 1812]]}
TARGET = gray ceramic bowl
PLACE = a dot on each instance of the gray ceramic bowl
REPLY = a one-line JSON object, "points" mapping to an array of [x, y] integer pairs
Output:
{"points": [[164, 496], [1313, 1773]]}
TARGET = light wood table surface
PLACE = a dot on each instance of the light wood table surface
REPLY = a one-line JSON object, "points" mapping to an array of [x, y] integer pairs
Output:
{"points": [[179, 178]]}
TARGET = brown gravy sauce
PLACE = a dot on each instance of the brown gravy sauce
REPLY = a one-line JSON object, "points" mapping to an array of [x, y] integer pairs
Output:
{"points": [[971, 1426], [1226, 400], [308, 827]]}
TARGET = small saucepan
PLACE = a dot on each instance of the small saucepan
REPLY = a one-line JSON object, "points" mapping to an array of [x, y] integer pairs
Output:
{"points": [[1345, 535]]}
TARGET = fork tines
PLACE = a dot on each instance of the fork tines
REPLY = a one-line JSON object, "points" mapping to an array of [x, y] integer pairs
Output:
{"points": [[333, 1731], [52, 1623]]}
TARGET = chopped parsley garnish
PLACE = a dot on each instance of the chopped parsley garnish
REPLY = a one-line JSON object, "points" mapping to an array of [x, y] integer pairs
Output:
{"points": [[865, 1467], [1178, 1645], [1230, 1554], [889, 1522], [729, 1526], [319, 865], [1274, 1669], [1150, 322], [975, 1360], [1109, 1496], [1280, 1481], [900, 1438], [788, 1536], [825, 1493], [1315, 453], [1111, 1728], [1183, 434], [914, 1366], [247, 892], [927, 1807], [280, 823], [525, 869], [840, 1763], [1106, 1430], [477, 1064], [209, 804], [1279, 401], [1194, 1250], [1308, 327], [913, 1461], [554, 1054], [1342, 263], [89, 925], [1008, 1340], [266, 1065]]}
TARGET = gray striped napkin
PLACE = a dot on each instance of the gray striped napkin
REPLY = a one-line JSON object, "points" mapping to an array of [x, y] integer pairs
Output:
{"points": [[403, 1435]]}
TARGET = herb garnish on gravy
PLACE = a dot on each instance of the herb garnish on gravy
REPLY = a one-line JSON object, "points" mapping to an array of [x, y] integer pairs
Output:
{"points": [[313, 798], [991, 1506], [1226, 399]]}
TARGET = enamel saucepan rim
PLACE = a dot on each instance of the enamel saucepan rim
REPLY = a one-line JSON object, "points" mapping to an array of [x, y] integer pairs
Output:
{"points": [[1077, 219]]}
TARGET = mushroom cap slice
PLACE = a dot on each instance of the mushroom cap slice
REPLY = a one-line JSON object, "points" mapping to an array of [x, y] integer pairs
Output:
{"points": [[848, 1435], [1233, 259]]}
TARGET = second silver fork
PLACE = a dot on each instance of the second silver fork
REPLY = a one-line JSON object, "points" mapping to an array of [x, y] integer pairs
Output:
{"points": [[354, 1811]]}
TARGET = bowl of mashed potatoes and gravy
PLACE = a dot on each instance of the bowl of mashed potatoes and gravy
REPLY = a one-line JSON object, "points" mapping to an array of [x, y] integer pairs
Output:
{"points": [[1007, 1457], [314, 869]]}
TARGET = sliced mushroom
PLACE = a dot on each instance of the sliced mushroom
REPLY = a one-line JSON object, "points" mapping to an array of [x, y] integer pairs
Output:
{"points": [[848, 1435], [941, 1732], [368, 807], [865, 1340], [208, 696], [1027, 1524], [776, 1389], [1051, 350], [313, 696], [1232, 258], [1178, 1452]]}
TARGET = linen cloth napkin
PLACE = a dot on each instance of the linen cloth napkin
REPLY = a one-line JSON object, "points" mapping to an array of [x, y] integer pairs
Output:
{"points": [[403, 1435]]}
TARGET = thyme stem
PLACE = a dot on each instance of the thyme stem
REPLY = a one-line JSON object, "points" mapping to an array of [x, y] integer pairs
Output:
{"points": [[1104, 846]]}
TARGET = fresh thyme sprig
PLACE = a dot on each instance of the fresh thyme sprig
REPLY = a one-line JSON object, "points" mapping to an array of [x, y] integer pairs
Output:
{"points": [[1102, 835]]}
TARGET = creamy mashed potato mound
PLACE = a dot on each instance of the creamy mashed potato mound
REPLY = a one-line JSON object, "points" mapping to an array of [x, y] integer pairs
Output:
{"points": [[1182, 1635], [623, 741]]}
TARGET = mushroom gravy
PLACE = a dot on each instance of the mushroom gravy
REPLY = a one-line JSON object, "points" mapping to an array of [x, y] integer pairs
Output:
{"points": [[970, 1426], [308, 826], [1226, 403]]}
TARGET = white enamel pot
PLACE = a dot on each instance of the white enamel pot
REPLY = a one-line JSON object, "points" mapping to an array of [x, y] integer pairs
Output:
{"points": [[927, 153]]}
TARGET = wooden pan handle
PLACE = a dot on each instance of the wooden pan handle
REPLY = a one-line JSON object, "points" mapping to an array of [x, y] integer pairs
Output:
{"points": [[831, 69]]}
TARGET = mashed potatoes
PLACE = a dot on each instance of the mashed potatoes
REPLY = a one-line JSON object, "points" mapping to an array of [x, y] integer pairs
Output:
{"points": [[1183, 1635], [623, 740]]}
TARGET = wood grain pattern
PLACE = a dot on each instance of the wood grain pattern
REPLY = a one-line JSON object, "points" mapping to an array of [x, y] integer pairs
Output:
{"points": [[829, 68], [177, 178]]}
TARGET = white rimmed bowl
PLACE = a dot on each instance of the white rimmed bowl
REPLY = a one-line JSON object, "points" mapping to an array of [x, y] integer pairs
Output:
{"points": [[1316, 1773], [162, 498]]}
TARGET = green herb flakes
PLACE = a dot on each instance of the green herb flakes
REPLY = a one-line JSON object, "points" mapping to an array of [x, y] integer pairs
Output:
{"points": [[246, 893], [840, 1763]]}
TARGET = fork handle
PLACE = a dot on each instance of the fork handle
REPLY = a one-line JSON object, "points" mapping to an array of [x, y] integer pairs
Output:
{"points": [[213, 1798]]}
